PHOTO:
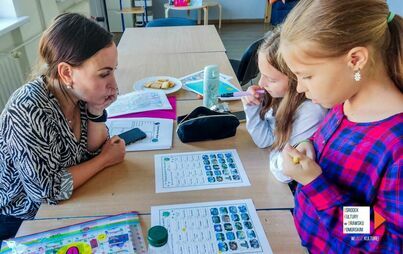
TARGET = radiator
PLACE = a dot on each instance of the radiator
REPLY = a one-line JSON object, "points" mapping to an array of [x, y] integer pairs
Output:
{"points": [[11, 77]]}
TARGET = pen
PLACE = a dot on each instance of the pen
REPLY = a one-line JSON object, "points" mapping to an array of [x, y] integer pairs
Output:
{"points": [[240, 94]]}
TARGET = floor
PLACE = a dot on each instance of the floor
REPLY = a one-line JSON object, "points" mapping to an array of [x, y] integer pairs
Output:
{"points": [[237, 37]]}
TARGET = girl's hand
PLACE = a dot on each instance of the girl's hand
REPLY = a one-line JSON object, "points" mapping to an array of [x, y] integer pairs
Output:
{"points": [[255, 98], [113, 151], [306, 147], [299, 166]]}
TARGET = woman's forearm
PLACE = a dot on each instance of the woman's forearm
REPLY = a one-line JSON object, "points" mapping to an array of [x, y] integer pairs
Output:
{"points": [[97, 134], [84, 171]]}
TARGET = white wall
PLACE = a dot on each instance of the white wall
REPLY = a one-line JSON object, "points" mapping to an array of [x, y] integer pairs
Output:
{"points": [[7, 8], [41, 14], [232, 9], [396, 6]]}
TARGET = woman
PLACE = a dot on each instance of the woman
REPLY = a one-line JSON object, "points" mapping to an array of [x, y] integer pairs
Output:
{"points": [[53, 136]]}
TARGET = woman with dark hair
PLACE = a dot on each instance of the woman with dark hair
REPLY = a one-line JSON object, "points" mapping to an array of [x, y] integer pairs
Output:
{"points": [[53, 136]]}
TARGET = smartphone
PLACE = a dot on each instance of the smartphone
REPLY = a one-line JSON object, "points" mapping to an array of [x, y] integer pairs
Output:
{"points": [[132, 136], [240, 115]]}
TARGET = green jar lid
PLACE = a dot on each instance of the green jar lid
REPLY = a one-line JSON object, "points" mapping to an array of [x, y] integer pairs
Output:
{"points": [[157, 236]]}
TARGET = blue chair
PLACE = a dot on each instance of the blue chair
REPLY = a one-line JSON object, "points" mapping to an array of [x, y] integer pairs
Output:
{"points": [[171, 22], [280, 10], [247, 69]]}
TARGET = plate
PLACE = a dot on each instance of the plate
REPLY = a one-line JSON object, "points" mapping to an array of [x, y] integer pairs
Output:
{"points": [[139, 85]]}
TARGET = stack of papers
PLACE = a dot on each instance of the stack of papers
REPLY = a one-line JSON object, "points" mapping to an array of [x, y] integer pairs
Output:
{"points": [[138, 101]]}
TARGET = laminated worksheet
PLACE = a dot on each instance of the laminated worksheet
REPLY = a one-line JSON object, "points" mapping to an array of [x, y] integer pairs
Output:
{"points": [[114, 234], [212, 227], [199, 170], [159, 132], [139, 101], [199, 75]]}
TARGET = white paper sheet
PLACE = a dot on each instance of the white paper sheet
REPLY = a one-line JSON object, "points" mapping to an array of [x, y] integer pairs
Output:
{"points": [[200, 75], [212, 227], [139, 101], [158, 130], [199, 170]]}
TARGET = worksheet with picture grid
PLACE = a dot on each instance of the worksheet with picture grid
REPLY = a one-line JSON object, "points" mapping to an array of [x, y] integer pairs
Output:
{"points": [[212, 227], [199, 170]]}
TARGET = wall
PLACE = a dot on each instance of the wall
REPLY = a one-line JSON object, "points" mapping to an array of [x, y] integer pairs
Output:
{"points": [[7, 8], [41, 14], [396, 6], [232, 10]]}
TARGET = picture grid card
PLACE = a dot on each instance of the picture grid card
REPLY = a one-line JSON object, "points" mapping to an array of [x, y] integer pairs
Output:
{"points": [[212, 227], [199, 170], [159, 132]]}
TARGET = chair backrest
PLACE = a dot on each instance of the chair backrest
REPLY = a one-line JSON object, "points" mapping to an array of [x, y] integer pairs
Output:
{"points": [[171, 22], [248, 68]]}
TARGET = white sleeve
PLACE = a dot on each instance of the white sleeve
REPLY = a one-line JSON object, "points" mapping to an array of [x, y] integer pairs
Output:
{"points": [[308, 117], [276, 167], [306, 122], [261, 131]]}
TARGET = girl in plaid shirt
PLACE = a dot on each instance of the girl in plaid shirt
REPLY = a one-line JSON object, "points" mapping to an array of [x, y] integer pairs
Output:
{"points": [[347, 56]]}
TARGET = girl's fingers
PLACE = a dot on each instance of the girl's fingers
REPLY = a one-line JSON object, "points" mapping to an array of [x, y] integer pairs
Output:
{"points": [[295, 155]]}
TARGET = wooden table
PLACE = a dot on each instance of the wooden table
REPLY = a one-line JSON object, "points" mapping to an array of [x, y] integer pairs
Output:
{"points": [[168, 40], [134, 67], [278, 226], [131, 185]]}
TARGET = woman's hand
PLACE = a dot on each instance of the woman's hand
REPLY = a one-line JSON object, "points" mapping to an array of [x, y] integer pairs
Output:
{"points": [[113, 151], [299, 166], [98, 109], [254, 98]]}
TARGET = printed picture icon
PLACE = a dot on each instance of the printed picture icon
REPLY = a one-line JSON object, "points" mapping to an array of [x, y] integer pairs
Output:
{"points": [[233, 228]]}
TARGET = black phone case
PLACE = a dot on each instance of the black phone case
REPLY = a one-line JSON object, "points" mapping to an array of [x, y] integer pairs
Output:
{"points": [[132, 135]]}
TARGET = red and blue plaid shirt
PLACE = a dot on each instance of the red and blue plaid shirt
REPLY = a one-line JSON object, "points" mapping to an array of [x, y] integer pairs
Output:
{"points": [[362, 165]]}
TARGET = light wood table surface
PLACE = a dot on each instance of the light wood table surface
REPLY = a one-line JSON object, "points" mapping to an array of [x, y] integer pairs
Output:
{"points": [[168, 40], [278, 226], [130, 185], [135, 67]]}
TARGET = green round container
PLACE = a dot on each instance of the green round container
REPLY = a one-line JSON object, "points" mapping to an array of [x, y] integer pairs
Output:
{"points": [[157, 236]]}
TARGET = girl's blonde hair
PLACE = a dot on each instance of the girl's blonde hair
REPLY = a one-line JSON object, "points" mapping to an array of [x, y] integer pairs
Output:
{"points": [[283, 108], [338, 26]]}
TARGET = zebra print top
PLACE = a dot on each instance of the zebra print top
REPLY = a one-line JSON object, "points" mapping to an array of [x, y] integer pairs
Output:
{"points": [[36, 147]]}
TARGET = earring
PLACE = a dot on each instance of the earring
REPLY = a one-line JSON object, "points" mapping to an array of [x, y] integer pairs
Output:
{"points": [[357, 75], [69, 86]]}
